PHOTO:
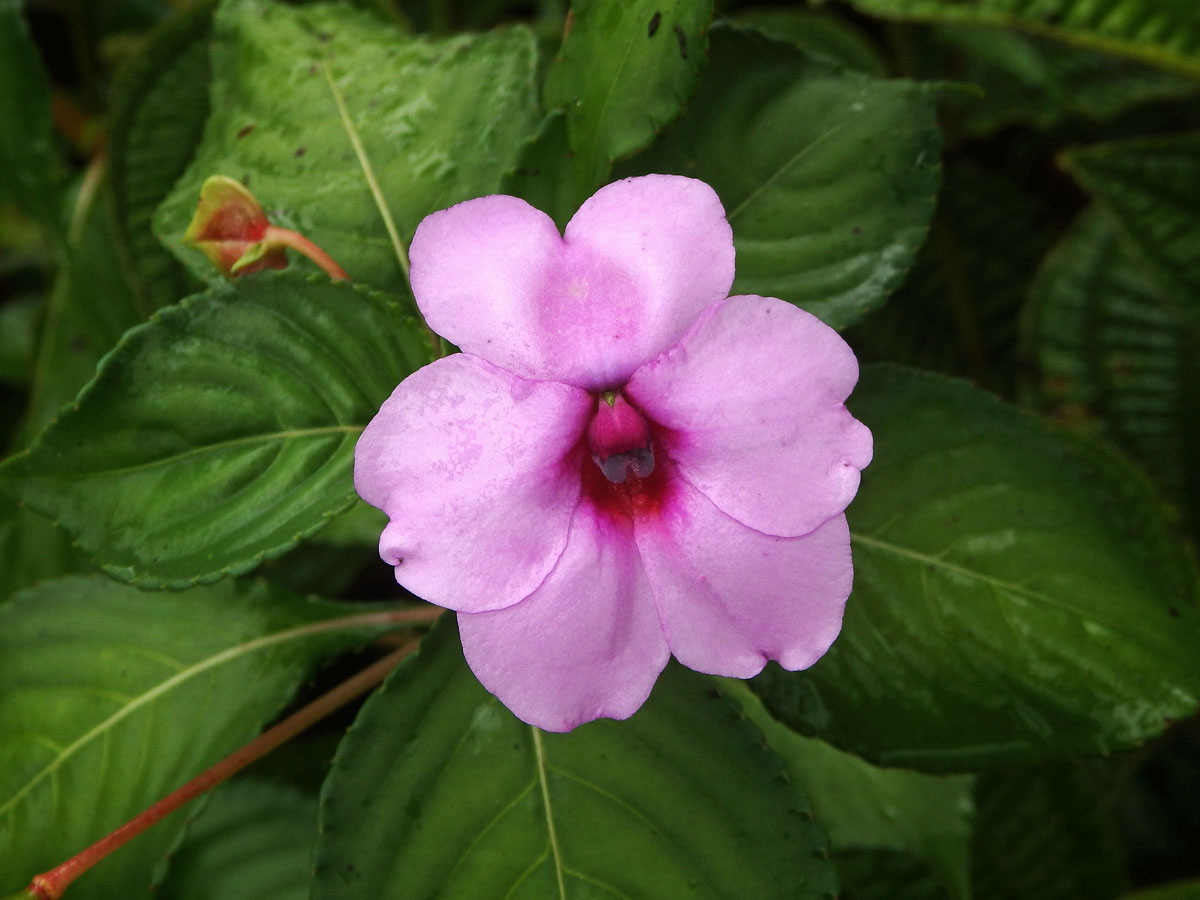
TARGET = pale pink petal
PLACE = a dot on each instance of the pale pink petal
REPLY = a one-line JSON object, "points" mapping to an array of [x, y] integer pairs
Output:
{"points": [[586, 644], [750, 407], [478, 471], [640, 260], [730, 598]]}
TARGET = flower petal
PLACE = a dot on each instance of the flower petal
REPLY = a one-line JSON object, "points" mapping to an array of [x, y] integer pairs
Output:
{"points": [[640, 260], [730, 598], [586, 644], [752, 403], [478, 471]]}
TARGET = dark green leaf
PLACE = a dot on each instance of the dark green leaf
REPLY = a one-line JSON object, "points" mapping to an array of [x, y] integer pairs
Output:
{"points": [[32, 548], [440, 121], [625, 70], [222, 431], [957, 311], [1118, 356], [111, 697], [438, 791], [823, 35], [866, 808], [159, 107], [88, 309], [1163, 32], [1018, 594], [828, 177], [1039, 82], [26, 153], [1151, 187], [251, 842], [1047, 833]]}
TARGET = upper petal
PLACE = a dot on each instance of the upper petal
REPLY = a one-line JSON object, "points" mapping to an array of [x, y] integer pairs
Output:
{"points": [[640, 260], [478, 471], [586, 644], [730, 597], [752, 403]]}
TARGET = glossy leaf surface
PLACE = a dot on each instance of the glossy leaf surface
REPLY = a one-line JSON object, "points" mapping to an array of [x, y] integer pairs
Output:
{"points": [[222, 431], [252, 841], [438, 791], [828, 177], [625, 69], [1018, 595], [276, 125], [111, 697], [1163, 32]]}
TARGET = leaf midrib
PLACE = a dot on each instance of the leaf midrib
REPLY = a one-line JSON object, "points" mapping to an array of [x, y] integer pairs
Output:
{"points": [[999, 584], [183, 675], [234, 443]]}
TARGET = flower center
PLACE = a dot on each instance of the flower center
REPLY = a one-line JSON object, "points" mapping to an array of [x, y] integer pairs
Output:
{"points": [[619, 439], [621, 476]]}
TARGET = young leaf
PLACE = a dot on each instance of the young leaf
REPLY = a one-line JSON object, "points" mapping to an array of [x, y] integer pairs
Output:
{"points": [[251, 842], [1018, 595], [222, 431], [828, 177], [625, 70], [1117, 355], [1163, 32], [438, 791], [110, 698], [439, 121]]}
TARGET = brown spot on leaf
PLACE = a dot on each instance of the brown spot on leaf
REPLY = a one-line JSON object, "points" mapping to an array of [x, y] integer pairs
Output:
{"points": [[655, 21], [682, 38], [245, 130]]}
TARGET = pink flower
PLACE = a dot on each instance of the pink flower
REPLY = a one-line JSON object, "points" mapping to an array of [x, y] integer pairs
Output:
{"points": [[623, 463]]}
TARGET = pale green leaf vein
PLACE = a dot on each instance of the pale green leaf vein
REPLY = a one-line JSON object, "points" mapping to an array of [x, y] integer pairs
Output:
{"points": [[540, 758], [103, 729]]}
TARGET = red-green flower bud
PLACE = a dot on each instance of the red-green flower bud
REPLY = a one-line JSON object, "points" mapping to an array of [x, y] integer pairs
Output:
{"points": [[230, 228]]}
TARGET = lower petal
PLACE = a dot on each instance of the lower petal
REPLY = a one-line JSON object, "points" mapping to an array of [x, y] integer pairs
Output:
{"points": [[730, 598], [586, 644]]}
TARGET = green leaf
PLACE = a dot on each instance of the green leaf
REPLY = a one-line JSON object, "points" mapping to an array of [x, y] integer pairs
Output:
{"points": [[1018, 595], [626, 69], [438, 791], [1183, 890], [26, 153], [222, 431], [1163, 32], [18, 320], [32, 548], [1151, 186], [864, 807], [111, 697], [828, 177], [440, 121], [1039, 82], [160, 104], [88, 309], [957, 311], [820, 34], [1117, 355], [1057, 829], [251, 842]]}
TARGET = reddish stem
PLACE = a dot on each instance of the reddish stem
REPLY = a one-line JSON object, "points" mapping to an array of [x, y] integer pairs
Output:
{"points": [[302, 245], [51, 885]]}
